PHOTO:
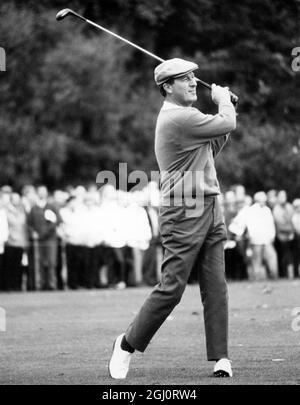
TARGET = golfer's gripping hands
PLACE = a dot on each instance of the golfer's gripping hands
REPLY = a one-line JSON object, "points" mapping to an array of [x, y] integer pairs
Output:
{"points": [[219, 94]]}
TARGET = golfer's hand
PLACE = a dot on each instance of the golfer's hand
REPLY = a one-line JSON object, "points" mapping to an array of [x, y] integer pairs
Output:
{"points": [[219, 94]]}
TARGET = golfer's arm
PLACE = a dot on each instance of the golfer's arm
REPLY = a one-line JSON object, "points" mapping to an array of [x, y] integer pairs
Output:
{"points": [[203, 127]]}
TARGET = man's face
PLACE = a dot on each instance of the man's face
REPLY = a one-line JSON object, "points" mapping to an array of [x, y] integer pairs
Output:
{"points": [[42, 193], [261, 198], [183, 90], [282, 197]]}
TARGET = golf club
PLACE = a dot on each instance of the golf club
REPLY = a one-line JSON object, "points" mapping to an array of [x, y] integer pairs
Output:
{"points": [[66, 11]]}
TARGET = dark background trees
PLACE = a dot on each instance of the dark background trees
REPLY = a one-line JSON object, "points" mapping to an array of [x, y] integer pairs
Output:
{"points": [[75, 101]]}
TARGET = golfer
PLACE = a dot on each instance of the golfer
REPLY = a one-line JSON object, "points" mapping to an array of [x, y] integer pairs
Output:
{"points": [[186, 144]]}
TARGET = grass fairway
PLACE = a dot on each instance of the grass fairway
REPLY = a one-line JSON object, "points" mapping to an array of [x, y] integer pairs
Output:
{"points": [[66, 337]]}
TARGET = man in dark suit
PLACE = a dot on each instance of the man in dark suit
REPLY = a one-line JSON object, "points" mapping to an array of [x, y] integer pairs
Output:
{"points": [[43, 220]]}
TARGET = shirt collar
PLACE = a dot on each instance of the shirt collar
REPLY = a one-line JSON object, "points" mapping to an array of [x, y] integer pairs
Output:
{"points": [[170, 106]]}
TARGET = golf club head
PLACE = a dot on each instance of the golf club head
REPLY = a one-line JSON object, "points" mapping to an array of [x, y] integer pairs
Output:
{"points": [[63, 13]]}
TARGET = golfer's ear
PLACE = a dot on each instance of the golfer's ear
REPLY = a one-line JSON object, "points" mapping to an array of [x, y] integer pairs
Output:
{"points": [[168, 88]]}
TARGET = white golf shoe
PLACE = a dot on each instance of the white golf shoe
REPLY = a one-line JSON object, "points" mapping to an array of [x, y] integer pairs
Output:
{"points": [[223, 368], [120, 360]]}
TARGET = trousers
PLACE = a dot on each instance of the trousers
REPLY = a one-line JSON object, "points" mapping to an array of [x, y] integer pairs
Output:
{"points": [[296, 254], [188, 241], [47, 263], [267, 254], [284, 252], [13, 267]]}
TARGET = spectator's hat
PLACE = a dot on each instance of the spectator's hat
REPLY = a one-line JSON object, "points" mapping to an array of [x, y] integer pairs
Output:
{"points": [[6, 189], [173, 68], [296, 203]]}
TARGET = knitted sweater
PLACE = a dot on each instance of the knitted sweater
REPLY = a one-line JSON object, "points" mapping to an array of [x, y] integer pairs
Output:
{"points": [[186, 143]]}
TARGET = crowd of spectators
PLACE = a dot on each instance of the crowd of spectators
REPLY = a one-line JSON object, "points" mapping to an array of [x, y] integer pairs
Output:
{"points": [[86, 238], [79, 238], [263, 235]]}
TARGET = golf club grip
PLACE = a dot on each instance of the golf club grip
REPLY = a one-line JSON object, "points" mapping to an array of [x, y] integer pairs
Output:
{"points": [[233, 97]]}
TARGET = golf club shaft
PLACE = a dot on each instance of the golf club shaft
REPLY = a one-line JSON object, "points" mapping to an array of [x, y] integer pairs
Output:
{"points": [[125, 40], [137, 47], [234, 98]]}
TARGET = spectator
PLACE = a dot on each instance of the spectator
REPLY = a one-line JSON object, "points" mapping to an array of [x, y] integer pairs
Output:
{"points": [[296, 242], [6, 193], [29, 199], [59, 199], [259, 223], [73, 232], [271, 199], [248, 201], [234, 264], [283, 212], [240, 192], [17, 242], [93, 240], [43, 220], [230, 209], [138, 236], [153, 256], [3, 239], [114, 228]]}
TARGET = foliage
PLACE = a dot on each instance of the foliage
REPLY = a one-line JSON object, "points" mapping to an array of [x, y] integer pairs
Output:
{"points": [[75, 101]]}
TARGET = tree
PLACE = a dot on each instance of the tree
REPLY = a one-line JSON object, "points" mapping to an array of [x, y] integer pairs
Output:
{"points": [[75, 101]]}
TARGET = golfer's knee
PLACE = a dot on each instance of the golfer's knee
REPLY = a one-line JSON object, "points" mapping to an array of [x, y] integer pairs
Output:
{"points": [[177, 291], [171, 290]]}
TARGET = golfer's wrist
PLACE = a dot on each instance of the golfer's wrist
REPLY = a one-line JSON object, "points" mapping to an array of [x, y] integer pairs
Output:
{"points": [[224, 100]]}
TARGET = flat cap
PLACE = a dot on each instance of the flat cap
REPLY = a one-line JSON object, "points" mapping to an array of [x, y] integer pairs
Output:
{"points": [[172, 68]]}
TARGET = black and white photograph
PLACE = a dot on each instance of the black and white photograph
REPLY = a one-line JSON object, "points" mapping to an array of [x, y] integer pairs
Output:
{"points": [[149, 195]]}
